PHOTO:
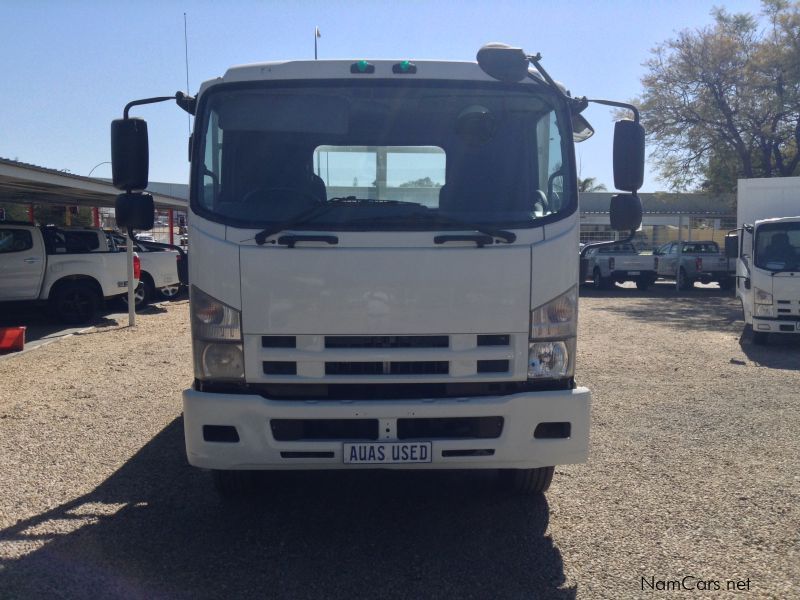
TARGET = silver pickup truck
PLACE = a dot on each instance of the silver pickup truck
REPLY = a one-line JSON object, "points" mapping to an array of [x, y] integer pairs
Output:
{"points": [[617, 263], [688, 262]]}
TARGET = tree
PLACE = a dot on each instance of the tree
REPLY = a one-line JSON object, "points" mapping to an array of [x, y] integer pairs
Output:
{"points": [[588, 185], [417, 183], [723, 102]]}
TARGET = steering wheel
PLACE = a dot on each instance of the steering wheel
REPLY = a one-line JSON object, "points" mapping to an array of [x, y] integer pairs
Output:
{"points": [[541, 200], [278, 195]]}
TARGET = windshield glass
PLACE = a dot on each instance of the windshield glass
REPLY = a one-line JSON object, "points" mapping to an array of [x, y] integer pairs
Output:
{"points": [[778, 247], [383, 155]]}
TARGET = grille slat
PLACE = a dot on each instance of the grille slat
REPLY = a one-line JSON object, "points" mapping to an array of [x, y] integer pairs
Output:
{"points": [[387, 341], [390, 368]]}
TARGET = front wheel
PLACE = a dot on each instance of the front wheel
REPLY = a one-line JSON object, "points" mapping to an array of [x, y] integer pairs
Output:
{"points": [[527, 481], [75, 302]]}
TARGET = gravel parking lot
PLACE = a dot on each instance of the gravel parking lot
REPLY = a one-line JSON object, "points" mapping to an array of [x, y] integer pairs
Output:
{"points": [[693, 473]]}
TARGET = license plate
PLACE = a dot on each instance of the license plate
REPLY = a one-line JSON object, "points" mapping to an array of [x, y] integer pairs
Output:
{"points": [[633, 272], [387, 453]]}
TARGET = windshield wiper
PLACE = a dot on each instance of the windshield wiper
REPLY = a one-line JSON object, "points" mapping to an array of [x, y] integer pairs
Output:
{"points": [[319, 210], [428, 217]]}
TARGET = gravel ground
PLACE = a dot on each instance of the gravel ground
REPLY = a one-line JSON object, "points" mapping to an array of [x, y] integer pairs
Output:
{"points": [[693, 472]]}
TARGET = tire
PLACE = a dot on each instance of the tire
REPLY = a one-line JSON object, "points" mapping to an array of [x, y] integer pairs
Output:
{"points": [[598, 281], [760, 338], [527, 481], [143, 293], [234, 484], [684, 283], [643, 284], [169, 291], [75, 302]]}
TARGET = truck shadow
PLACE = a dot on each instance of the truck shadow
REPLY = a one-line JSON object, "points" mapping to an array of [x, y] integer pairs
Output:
{"points": [[156, 529], [693, 311], [782, 351]]}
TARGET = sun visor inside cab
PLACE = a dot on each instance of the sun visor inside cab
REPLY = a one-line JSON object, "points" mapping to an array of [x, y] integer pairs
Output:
{"points": [[297, 113], [581, 129]]}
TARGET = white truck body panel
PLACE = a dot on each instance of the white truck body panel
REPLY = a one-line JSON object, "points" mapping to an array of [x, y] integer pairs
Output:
{"points": [[761, 202]]}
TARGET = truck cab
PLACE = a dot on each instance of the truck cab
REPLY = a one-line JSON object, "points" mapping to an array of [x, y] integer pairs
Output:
{"points": [[383, 271], [767, 254]]}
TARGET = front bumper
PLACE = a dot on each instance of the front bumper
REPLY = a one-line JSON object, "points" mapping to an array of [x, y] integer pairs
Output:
{"points": [[773, 325], [258, 449]]}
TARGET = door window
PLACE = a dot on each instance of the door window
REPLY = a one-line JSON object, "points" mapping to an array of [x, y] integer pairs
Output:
{"points": [[15, 240]]}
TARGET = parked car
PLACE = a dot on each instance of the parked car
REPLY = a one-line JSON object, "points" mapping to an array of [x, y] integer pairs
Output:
{"points": [[73, 270], [161, 268], [617, 263], [689, 262]]}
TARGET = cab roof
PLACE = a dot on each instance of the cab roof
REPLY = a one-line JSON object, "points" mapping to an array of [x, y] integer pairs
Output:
{"points": [[341, 69]]}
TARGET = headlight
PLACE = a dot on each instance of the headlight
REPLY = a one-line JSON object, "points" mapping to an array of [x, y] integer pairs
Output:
{"points": [[557, 318], [217, 335], [214, 360], [762, 297], [548, 360], [764, 310]]}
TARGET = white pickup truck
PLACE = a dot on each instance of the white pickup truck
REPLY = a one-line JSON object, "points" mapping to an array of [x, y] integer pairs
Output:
{"points": [[160, 267], [689, 262], [72, 269], [617, 263]]}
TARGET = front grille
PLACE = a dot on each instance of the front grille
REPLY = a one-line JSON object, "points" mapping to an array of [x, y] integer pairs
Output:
{"points": [[390, 368], [450, 428], [364, 359], [386, 341], [492, 366], [293, 430]]}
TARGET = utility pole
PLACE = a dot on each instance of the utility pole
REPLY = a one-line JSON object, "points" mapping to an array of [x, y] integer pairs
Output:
{"points": [[317, 35]]}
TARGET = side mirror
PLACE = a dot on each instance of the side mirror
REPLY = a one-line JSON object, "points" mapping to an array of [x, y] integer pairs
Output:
{"points": [[732, 246], [626, 212], [136, 211], [747, 283], [628, 155], [503, 62], [129, 154]]}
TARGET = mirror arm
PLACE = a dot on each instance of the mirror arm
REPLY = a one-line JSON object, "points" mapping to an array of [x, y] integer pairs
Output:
{"points": [[630, 107], [185, 101]]}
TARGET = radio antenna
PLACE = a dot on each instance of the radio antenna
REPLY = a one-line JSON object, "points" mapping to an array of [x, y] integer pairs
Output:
{"points": [[186, 55]]}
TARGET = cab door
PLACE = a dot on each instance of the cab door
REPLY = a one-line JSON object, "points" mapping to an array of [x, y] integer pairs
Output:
{"points": [[21, 263]]}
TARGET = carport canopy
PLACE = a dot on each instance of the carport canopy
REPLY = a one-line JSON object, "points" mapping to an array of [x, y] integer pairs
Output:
{"points": [[22, 183]]}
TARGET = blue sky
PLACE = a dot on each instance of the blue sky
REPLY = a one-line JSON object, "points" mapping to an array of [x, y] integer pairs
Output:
{"points": [[70, 67]]}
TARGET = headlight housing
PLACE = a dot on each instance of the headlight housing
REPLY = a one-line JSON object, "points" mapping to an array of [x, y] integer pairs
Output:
{"points": [[764, 310], [217, 336], [551, 350], [762, 297], [557, 318]]}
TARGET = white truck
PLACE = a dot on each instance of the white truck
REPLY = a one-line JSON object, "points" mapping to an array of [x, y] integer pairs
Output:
{"points": [[160, 267], [383, 271], [608, 264], [767, 250], [71, 269]]}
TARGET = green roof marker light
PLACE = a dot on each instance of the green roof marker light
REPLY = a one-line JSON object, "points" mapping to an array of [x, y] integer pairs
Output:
{"points": [[405, 67], [361, 67]]}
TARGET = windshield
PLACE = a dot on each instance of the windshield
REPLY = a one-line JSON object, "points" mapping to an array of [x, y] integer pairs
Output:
{"points": [[778, 247], [383, 156]]}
